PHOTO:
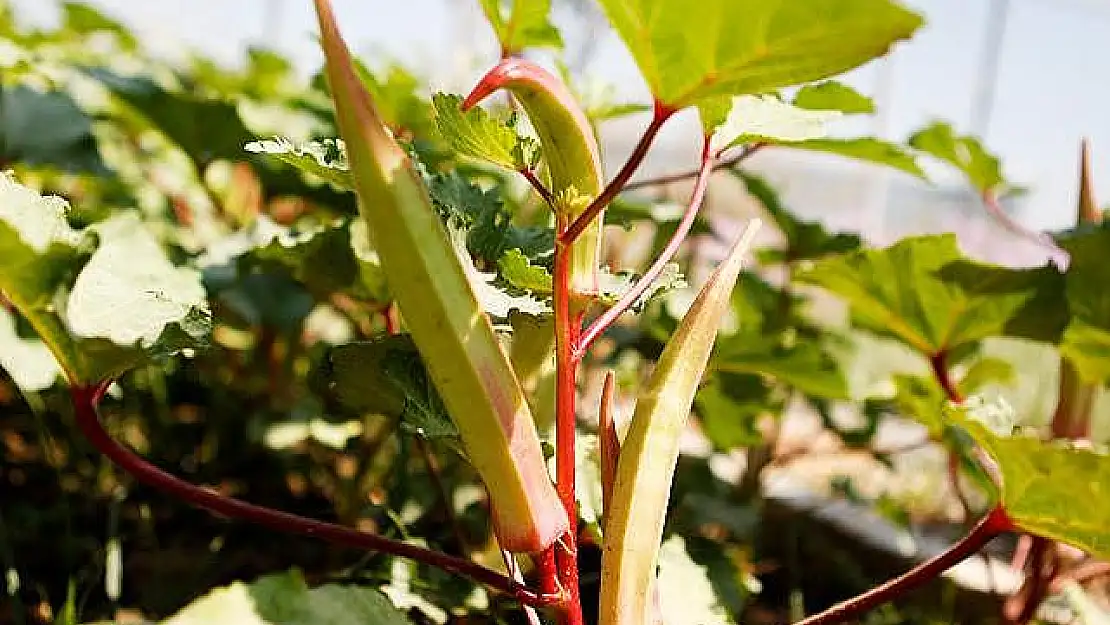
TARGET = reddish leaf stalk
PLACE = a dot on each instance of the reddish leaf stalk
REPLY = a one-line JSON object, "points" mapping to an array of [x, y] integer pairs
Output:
{"points": [[602, 323], [85, 400], [738, 158], [616, 185], [996, 522], [939, 364], [538, 185]]}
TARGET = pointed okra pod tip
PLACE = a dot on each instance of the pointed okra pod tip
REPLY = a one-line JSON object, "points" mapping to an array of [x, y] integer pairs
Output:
{"points": [[649, 453]]}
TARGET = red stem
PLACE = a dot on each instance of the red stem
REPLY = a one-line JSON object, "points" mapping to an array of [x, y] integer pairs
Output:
{"points": [[85, 400], [939, 363], [538, 185], [994, 209], [568, 322], [607, 319], [609, 441], [616, 185], [736, 159], [996, 522]]}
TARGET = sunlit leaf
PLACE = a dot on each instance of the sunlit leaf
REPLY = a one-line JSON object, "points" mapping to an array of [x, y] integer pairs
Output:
{"points": [[285, 599], [692, 51], [765, 118], [686, 594], [515, 267], [901, 291], [323, 159], [477, 134], [28, 361], [832, 95], [525, 25], [1049, 488], [963, 152], [866, 149]]}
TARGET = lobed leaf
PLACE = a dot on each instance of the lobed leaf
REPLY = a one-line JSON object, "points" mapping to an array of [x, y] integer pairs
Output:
{"points": [[98, 314], [325, 159], [1049, 488], [525, 26], [765, 118], [922, 292], [688, 52], [476, 134]]}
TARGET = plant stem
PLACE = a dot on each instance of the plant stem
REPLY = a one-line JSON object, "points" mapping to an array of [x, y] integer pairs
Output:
{"points": [[538, 185], [568, 323], [616, 185], [626, 301], [609, 441], [939, 364], [995, 210], [85, 400], [736, 159], [996, 522]]}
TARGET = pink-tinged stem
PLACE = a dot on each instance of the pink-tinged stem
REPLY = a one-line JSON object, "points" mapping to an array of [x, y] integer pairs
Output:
{"points": [[996, 522], [616, 185], [607, 319], [85, 401], [568, 323], [994, 209], [736, 159]]}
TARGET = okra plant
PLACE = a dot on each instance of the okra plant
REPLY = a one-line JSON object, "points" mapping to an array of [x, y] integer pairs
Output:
{"points": [[480, 316]]}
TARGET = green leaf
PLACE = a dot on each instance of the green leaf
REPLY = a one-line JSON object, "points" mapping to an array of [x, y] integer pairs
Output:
{"points": [[901, 291], [692, 51], [477, 134], [965, 153], [525, 26], [867, 149], [730, 407], [686, 594], [125, 304], [285, 599], [47, 128], [205, 129], [765, 118], [325, 159], [83, 19], [516, 268], [803, 365], [1086, 341], [613, 286], [833, 95], [805, 240], [1051, 489], [922, 400]]}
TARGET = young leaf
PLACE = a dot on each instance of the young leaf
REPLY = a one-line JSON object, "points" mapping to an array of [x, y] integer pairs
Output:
{"points": [[325, 159], [526, 25], [649, 454], [686, 594], [475, 133], [441, 310], [692, 51], [804, 365], [1049, 489], [515, 267], [901, 291], [963, 152], [832, 95]]}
